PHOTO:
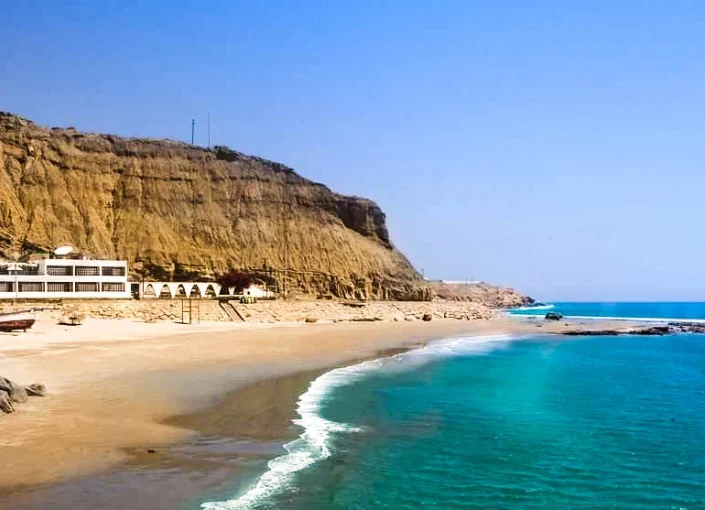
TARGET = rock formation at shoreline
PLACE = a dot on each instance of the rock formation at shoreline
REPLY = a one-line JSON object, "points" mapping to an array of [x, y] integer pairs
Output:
{"points": [[650, 330], [480, 292]]}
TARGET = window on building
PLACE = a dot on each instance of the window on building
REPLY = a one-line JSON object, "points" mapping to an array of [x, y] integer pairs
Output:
{"points": [[60, 270], [113, 271], [31, 287], [59, 287], [7, 287], [87, 270], [113, 287], [86, 287]]}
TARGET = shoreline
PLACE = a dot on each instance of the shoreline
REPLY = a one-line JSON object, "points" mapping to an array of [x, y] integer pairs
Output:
{"points": [[105, 395], [311, 446], [141, 385]]}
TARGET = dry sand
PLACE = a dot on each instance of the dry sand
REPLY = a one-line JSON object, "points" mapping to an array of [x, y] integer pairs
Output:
{"points": [[113, 384]]}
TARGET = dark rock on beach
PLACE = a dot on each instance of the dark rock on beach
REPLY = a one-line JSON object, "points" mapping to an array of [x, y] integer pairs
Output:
{"points": [[592, 332], [553, 316], [36, 390], [5, 403], [652, 331], [13, 393], [688, 327], [16, 392]]}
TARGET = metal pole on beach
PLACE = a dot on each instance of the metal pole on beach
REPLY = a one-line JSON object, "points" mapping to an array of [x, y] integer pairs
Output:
{"points": [[14, 268]]}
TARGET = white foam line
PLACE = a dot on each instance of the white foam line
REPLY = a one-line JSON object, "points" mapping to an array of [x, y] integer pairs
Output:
{"points": [[312, 445], [630, 319], [537, 307]]}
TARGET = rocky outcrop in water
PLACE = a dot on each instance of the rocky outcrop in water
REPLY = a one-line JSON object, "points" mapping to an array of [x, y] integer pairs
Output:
{"points": [[670, 328]]}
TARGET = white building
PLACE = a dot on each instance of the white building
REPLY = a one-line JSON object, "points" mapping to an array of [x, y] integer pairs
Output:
{"points": [[172, 290], [256, 292], [64, 278]]}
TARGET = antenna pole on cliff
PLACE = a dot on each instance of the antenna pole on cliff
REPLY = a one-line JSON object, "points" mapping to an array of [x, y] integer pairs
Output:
{"points": [[193, 125], [209, 128]]}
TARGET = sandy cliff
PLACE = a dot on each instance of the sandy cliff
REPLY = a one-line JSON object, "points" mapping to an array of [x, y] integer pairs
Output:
{"points": [[176, 211]]}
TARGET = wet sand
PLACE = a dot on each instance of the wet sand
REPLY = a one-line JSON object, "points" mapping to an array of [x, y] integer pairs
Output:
{"points": [[176, 392], [236, 437]]}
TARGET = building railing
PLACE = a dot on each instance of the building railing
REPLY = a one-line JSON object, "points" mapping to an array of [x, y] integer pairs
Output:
{"points": [[59, 287], [113, 271], [31, 286], [113, 287], [25, 271], [65, 278], [86, 287], [87, 271], [60, 270]]}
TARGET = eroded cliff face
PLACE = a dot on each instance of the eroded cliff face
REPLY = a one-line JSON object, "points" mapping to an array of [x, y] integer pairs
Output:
{"points": [[176, 211]]}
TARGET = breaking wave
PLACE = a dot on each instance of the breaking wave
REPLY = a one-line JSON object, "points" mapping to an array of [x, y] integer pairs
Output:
{"points": [[313, 444], [529, 308]]}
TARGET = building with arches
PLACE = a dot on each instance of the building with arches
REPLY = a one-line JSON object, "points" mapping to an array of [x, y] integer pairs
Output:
{"points": [[100, 279]]}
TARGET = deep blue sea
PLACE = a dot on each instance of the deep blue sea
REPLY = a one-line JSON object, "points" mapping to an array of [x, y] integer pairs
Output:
{"points": [[503, 423]]}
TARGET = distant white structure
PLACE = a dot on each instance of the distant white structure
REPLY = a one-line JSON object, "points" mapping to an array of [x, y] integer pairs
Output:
{"points": [[171, 290], [256, 292], [64, 278]]}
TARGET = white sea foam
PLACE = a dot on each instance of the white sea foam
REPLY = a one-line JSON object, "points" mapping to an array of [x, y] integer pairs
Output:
{"points": [[600, 317], [535, 307], [635, 319], [313, 444]]}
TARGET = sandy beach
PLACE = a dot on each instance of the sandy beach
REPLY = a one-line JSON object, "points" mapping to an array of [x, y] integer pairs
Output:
{"points": [[112, 383], [115, 385]]}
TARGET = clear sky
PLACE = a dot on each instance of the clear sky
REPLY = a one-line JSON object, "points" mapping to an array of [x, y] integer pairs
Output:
{"points": [[558, 147]]}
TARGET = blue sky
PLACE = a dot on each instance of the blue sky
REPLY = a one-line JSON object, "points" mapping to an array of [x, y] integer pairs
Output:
{"points": [[558, 147]]}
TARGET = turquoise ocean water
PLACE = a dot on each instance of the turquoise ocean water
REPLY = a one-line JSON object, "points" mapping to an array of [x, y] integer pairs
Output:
{"points": [[496, 423], [643, 311]]}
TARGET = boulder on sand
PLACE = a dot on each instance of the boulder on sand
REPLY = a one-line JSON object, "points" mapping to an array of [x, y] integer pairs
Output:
{"points": [[427, 317], [36, 390], [13, 393], [553, 316], [5, 403], [16, 392]]}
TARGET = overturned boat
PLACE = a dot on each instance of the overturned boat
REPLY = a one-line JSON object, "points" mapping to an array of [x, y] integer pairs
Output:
{"points": [[18, 320]]}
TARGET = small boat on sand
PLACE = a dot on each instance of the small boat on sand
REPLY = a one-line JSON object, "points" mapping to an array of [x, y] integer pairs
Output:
{"points": [[19, 320]]}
